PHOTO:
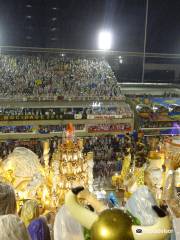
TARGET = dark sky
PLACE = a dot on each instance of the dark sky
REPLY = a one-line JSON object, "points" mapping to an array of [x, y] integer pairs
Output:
{"points": [[75, 23]]}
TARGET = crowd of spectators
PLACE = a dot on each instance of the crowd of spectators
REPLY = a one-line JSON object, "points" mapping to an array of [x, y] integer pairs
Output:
{"points": [[104, 154], [109, 152], [35, 145], [118, 127], [122, 111], [7, 147], [35, 76], [45, 129], [170, 94], [148, 124], [39, 129]]}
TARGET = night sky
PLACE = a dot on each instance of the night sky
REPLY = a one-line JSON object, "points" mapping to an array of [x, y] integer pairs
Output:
{"points": [[76, 23]]}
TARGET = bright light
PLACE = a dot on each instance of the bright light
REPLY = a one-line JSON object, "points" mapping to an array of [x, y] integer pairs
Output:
{"points": [[104, 232], [96, 104], [105, 40], [120, 60]]}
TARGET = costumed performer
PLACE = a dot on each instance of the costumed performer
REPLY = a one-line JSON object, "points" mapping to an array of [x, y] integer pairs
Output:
{"points": [[29, 212], [12, 228], [39, 230], [7, 199]]}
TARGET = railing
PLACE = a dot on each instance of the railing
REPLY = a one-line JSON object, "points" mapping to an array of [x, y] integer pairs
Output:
{"points": [[86, 52]]}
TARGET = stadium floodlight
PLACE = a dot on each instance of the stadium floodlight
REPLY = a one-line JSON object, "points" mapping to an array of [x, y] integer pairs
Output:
{"points": [[105, 40]]}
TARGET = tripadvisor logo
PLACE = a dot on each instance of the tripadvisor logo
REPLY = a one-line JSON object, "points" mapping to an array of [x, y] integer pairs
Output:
{"points": [[154, 231], [138, 230]]}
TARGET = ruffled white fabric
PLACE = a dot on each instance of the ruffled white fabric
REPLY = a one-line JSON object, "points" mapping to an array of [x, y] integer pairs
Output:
{"points": [[66, 227]]}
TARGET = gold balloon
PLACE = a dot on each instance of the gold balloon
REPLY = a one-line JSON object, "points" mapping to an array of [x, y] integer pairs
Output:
{"points": [[112, 224]]}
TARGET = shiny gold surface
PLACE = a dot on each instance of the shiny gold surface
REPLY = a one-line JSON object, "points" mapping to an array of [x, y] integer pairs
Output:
{"points": [[113, 224], [47, 184]]}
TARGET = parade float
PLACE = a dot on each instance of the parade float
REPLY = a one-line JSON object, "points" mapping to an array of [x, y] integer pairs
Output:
{"points": [[48, 182], [172, 181], [171, 192], [116, 224], [154, 183], [132, 173]]}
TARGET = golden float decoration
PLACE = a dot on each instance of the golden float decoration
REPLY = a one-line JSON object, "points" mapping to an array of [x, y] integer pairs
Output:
{"points": [[48, 184]]}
